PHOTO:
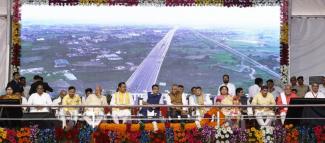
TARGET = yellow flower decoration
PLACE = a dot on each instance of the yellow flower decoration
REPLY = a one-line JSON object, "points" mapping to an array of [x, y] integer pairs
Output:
{"points": [[16, 33], [90, 2], [209, 2], [284, 33], [3, 133]]}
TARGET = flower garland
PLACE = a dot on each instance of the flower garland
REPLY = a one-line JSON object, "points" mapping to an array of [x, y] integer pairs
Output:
{"points": [[91, 2], [16, 42], [284, 46]]}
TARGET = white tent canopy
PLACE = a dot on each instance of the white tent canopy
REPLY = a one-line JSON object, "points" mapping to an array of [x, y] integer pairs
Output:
{"points": [[4, 47], [308, 7], [307, 38]]}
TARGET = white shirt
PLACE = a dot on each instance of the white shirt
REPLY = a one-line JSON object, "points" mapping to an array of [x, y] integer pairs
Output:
{"points": [[276, 92], [321, 88], [231, 89], [36, 99], [253, 90], [311, 94], [24, 102], [193, 101], [26, 91], [57, 101]]}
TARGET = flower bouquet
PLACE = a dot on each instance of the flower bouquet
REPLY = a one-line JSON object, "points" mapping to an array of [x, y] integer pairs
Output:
{"points": [[319, 133], [157, 137], [3, 134], [223, 133], [179, 134], [194, 135], [24, 135], [267, 132], [292, 134], [239, 136], [255, 135]]}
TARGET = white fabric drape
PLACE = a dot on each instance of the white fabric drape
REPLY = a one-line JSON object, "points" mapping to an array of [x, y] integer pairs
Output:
{"points": [[307, 47], [308, 7], [4, 52]]}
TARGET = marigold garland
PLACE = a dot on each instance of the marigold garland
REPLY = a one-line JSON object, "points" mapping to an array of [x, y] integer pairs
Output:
{"points": [[91, 2], [209, 2]]}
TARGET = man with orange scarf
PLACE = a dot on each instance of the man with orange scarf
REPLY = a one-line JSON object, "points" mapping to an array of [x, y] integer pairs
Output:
{"points": [[121, 97]]}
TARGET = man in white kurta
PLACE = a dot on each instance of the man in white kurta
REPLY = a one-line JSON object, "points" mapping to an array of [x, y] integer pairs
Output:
{"points": [[92, 115], [231, 87], [39, 98], [122, 97], [314, 93]]}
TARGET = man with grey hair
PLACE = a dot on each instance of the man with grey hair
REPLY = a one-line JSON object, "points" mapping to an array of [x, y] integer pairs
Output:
{"points": [[284, 99], [314, 93]]}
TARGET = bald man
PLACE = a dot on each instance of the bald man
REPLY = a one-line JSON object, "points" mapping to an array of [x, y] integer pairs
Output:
{"points": [[284, 99], [314, 93]]}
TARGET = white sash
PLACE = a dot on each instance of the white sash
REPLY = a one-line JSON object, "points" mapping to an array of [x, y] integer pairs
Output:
{"points": [[284, 100]]}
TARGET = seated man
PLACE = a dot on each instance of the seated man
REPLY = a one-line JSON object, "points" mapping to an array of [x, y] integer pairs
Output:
{"points": [[284, 99], [314, 93], [71, 99], [199, 99], [152, 98], [58, 101], [95, 99], [177, 98], [261, 113], [39, 98], [121, 97]]}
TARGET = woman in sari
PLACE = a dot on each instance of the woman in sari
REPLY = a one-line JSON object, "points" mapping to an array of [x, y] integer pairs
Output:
{"points": [[224, 99]]}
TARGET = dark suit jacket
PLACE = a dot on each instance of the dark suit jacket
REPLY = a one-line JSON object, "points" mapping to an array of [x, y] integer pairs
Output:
{"points": [[46, 87], [16, 87]]}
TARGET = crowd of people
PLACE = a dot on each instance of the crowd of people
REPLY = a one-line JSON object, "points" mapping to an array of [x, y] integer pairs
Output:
{"points": [[258, 94]]}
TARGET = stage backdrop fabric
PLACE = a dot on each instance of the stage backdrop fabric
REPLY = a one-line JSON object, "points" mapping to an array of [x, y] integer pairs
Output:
{"points": [[307, 47], [308, 7], [4, 55]]}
